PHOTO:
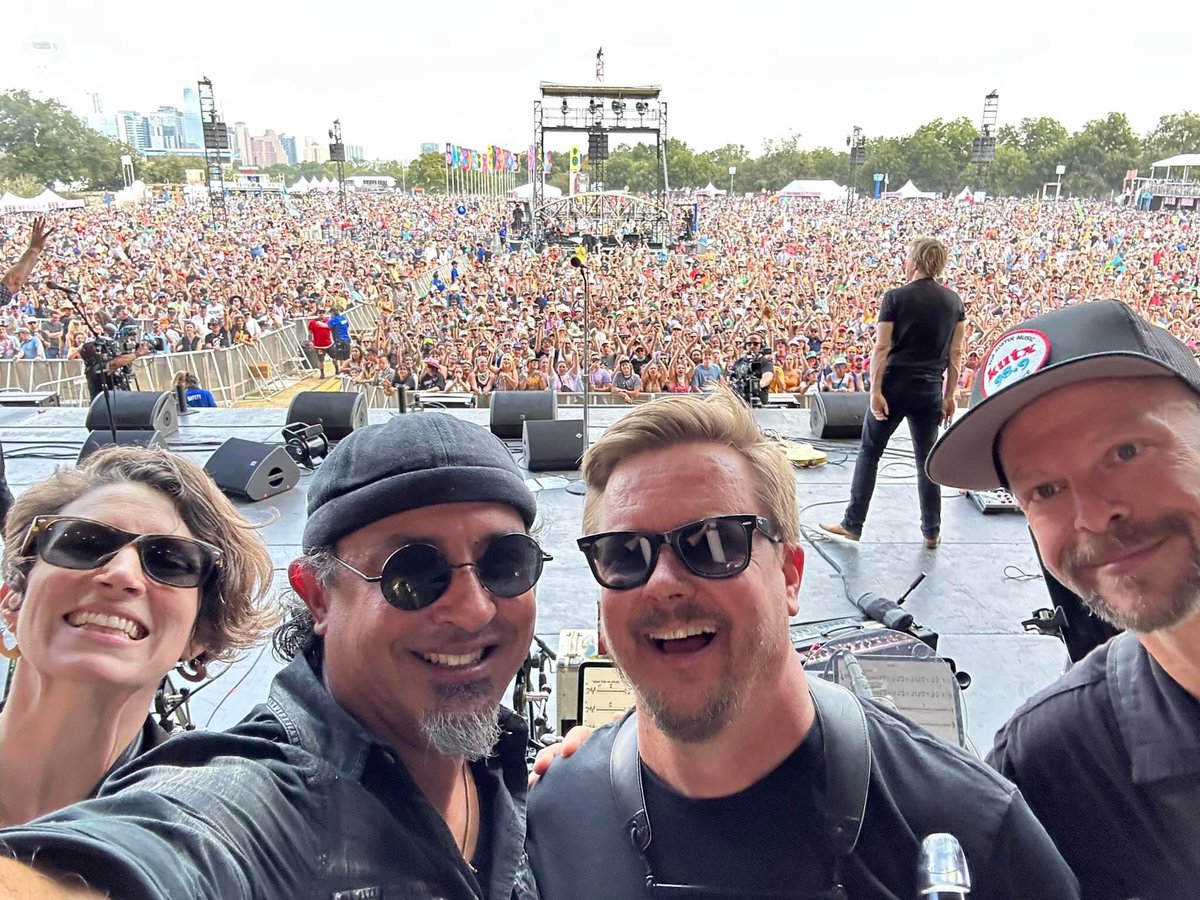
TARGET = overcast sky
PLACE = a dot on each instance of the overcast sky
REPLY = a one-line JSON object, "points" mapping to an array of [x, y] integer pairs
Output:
{"points": [[467, 72]]}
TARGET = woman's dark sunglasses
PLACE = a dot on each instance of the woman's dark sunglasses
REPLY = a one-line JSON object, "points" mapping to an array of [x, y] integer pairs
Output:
{"points": [[417, 574], [717, 547], [70, 542]]}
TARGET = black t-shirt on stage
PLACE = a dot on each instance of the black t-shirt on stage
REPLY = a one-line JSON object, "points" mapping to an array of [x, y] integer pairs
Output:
{"points": [[721, 843], [924, 315], [766, 835]]}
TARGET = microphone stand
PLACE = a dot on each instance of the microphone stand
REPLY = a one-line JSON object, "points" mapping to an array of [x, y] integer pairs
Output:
{"points": [[579, 486], [71, 295]]}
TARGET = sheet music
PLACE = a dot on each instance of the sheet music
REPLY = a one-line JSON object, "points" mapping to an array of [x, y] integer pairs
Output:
{"points": [[605, 694]]}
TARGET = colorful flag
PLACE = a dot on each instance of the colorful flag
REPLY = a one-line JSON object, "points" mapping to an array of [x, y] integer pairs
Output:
{"points": [[449, 155]]}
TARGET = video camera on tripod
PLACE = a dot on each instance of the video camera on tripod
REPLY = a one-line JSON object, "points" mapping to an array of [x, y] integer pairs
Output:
{"points": [[100, 350], [745, 376]]}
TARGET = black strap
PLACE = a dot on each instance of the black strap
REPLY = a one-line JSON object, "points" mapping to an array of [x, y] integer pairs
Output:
{"points": [[847, 754]]}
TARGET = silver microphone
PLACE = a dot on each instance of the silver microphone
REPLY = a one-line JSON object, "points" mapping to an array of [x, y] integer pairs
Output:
{"points": [[943, 872]]}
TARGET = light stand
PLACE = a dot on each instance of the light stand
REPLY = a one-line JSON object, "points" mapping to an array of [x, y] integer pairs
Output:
{"points": [[579, 486]]}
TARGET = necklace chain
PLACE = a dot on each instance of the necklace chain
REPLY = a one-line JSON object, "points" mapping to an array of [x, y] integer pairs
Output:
{"points": [[467, 825]]}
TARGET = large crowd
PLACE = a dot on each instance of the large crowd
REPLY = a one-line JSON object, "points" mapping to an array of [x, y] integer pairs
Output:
{"points": [[463, 309]]}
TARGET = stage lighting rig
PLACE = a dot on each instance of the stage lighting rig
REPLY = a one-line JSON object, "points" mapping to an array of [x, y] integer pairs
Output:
{"points": [[618, 108]]}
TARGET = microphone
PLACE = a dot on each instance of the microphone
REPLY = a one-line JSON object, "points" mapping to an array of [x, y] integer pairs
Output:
{"points": [[54, 285], [577, 262], [942, 873], [884, 611]]}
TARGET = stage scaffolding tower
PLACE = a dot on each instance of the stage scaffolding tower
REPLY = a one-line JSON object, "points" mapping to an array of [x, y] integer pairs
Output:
{"points": [[216, 149], [983, 148], [599, 111]]}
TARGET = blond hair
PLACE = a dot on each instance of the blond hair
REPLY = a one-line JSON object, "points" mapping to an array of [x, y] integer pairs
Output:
{"points": [[719, 418], [232, 615], [930, 256]]}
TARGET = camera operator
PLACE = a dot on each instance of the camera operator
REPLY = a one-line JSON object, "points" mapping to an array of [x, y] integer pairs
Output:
{"points": [[754, 372], [108, 361]]}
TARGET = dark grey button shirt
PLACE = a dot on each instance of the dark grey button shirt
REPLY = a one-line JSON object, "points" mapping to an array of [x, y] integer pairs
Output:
{"points": [[1108, 757], [297, 801]]}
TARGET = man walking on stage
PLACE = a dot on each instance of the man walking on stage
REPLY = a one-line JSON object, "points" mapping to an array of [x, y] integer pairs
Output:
{"points": [[914, 371]]}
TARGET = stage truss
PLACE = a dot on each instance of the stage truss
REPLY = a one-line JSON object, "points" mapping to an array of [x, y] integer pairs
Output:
{"points": [[600, 111], [606, 219]]}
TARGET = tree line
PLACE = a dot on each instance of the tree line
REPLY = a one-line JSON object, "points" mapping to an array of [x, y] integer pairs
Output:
{"points": [[42, 142]]}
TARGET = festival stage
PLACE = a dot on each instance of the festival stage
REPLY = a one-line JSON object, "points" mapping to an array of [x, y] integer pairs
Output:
{"points": [[967, 597]]}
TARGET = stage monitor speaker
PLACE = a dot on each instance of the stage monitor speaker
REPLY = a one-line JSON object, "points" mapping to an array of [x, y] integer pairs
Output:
{"points": [[552, 445], [128, 438], [252, 470], [512, 409], [338, 412], [135, 411], [838, 416]]}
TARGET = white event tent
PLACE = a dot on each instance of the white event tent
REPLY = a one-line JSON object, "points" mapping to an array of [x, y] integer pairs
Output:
{"points": [[808, 188], [43, 202]]}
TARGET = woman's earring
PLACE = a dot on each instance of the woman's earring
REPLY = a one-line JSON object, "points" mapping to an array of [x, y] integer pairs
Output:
{"points": [[193, 670]]}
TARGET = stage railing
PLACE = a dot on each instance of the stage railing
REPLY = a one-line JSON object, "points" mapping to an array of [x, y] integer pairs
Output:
{"points": [[232, 374]]}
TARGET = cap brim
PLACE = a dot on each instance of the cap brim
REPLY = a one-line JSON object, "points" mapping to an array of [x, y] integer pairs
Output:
{"points": [[962, 457]]}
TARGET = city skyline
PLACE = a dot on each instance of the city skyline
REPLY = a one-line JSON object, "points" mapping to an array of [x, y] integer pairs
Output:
{"points": [[764, 73]]}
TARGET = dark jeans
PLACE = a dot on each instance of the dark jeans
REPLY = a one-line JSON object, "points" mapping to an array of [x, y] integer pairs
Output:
{"points": [[921, 404]]}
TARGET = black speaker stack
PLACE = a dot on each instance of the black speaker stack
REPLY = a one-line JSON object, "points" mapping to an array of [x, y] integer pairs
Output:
{"points": [[338, 412], [139, 418], [838, 415]]}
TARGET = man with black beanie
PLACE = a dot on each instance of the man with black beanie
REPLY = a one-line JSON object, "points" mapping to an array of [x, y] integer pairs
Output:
{"points": [[382, 765]]}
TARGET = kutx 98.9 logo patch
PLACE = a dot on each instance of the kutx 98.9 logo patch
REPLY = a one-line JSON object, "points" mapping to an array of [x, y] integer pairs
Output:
{"points": [[1017, 355]]}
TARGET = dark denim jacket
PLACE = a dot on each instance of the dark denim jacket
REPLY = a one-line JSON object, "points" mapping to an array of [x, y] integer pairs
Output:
{"points": [[298, 800]]}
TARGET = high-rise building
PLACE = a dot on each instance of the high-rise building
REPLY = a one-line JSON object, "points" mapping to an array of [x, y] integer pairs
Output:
{"points": [[289, 148], [193, 129], [43, 74], [315, 151], [134, 129], [244, 148], [166, 128], [268, 150], [355, 151], [106, 125]]}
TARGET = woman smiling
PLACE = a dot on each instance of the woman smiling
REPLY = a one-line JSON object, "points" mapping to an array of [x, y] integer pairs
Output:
{"points": [[107, 587]]}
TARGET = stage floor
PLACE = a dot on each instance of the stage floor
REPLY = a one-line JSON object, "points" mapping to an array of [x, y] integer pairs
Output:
{"points": [[968, 597]]}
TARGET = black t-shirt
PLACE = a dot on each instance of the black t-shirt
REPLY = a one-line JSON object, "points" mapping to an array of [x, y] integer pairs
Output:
{"points": [[431, 380], [920, 785], [720, 842], [924, 315]]}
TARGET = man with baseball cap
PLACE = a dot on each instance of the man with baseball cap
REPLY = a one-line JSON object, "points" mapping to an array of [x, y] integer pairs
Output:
{"points": [[382, 764], [1090, 416]]}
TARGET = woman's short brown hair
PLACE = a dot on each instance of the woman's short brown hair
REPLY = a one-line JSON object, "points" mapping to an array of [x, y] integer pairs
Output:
{"points": [[232, 615], [719, 418]]}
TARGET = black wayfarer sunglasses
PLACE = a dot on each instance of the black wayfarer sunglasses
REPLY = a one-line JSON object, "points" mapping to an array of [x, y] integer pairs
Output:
{"points": [[716, 547], [417, 574], [71, 542]]}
